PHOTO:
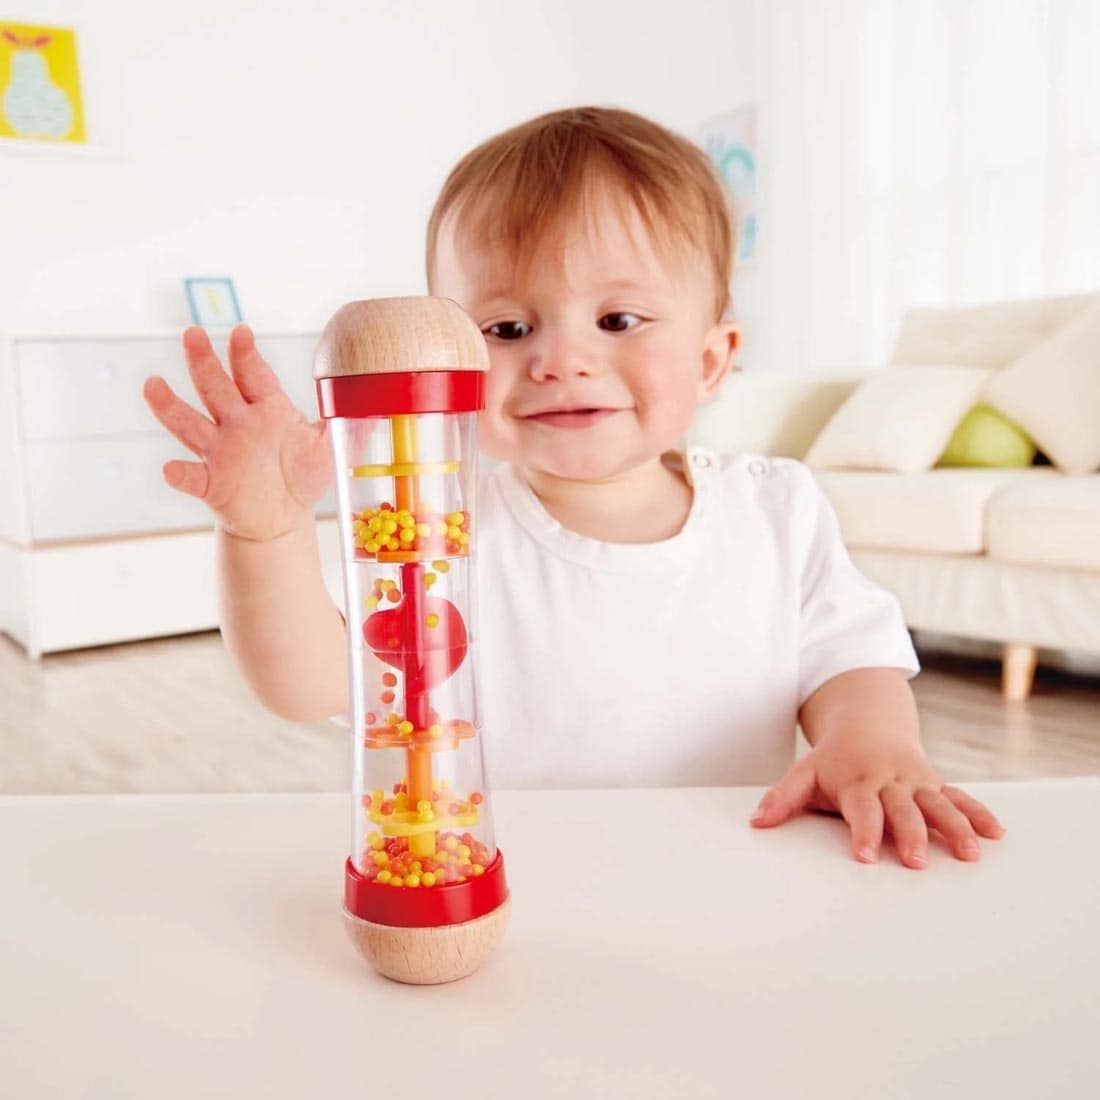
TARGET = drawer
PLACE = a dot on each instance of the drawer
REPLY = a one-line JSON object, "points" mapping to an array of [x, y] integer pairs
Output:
{"points": [[78, 388], [291, 358], [73, 596], [83, 488]]}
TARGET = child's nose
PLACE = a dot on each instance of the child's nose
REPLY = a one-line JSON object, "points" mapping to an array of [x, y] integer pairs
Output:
{"points": [[561, 362]]}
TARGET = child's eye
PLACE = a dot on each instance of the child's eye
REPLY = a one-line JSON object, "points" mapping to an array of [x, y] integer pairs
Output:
{"points": [[618, 322], [508, 330]]}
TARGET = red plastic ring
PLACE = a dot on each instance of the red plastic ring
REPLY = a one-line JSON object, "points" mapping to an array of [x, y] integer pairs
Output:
{"points": [[428, 391], [428, 906]]}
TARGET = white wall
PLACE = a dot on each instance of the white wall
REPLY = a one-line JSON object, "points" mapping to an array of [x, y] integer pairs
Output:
{"points": [[298, 148]]}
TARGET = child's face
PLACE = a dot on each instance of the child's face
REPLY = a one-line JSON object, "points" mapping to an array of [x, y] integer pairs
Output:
{"points": [[599, 359]]}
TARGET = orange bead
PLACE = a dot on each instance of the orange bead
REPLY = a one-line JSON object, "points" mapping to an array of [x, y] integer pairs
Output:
{"points": [[389, 679], [386, 697]]}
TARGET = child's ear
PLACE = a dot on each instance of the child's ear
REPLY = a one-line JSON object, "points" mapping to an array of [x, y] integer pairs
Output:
{"points": [[719, 351]]}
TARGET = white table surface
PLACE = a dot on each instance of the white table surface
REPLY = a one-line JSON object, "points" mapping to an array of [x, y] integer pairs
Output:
{"points": [[191, 946]]}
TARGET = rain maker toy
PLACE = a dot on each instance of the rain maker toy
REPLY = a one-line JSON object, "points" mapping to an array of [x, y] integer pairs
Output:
{"points": [[400, 382]]}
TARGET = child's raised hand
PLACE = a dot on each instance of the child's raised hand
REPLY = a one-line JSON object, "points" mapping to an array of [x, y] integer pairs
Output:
{"points": [[263, 464], [876, 775]]}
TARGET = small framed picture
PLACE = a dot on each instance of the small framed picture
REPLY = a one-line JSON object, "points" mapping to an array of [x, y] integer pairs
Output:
{"points": [[213, 302]]}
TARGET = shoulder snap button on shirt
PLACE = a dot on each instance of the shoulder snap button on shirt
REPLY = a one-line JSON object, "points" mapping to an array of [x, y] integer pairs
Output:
{"points": [[758, 469]]}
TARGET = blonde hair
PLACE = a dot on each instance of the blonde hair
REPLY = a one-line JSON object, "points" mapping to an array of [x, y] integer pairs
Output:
{"points": [[523, 185]]}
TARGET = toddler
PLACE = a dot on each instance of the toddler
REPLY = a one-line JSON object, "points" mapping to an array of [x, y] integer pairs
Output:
{"points": [[648, 615]]}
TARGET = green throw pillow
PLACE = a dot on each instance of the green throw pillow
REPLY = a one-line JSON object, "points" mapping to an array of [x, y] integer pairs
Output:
{"points": [[986, 438]]}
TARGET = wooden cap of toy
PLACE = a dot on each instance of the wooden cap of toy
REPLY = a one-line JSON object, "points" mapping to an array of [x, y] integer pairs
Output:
{"points": [[398, 336]]}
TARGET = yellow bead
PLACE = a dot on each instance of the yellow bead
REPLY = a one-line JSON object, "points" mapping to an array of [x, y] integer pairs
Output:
{"points": [[440, 529], [453, 532], [412, 880], [388, 586], [416, 867], [442, 566], [455, 518], [429, 579], [464, 862], [463, 539], [389, 526], [427, 879], [371, 546], [407, 536], [396, 881], [451, 843], [463, 852], [393, 544], [374, 524], [375, 840], [423, 529], [406, 728], [384, 877], [423, 805], [476, 869], [432, 620], [405, 519], [392, 719], [380, 858], [371, 601], [435, 731]]}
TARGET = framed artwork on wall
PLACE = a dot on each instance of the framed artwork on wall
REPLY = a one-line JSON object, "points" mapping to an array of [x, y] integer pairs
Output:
{"points": [[213, 302], [730, 142], [40, 100]]}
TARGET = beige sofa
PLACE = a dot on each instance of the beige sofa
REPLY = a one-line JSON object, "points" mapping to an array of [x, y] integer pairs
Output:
{"points": [[1011, 556]]}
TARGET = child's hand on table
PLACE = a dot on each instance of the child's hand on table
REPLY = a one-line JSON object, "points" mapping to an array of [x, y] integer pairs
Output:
{"points": [[263, 463], [867, 764]]}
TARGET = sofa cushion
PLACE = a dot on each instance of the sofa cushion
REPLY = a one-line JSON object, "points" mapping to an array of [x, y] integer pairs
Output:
{"points": [[1053, 522], [1053, 393], [986, 438], [935, 512], [984, 336], [898, 418]]}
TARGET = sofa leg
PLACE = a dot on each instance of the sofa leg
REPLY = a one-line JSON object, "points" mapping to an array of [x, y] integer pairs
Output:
{"points": [[1018, 671]]}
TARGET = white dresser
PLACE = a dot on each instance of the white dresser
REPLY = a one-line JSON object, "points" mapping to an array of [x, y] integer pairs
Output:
{"points": [[94, 546]]}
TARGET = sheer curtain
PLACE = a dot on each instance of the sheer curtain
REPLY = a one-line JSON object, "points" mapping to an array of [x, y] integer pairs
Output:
{"points": [[921, 152]]}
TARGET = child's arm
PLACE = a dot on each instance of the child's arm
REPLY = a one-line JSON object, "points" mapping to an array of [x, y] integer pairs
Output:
{"points": [[262, 467], [867, 762], [279, 624]]}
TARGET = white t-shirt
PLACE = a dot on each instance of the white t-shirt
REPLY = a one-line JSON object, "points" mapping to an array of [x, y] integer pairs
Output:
{"points": [[682, 662]]}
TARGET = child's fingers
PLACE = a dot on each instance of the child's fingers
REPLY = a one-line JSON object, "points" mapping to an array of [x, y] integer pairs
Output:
{"points": [[218, 391], [188, 425], [253, 376], [907, 825], [982, 818], [187, 477], [942, 814], [862, 810], [789, 796]]}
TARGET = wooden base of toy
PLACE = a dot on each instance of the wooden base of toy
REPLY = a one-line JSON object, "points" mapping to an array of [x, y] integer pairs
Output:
{"points": [[428, 956]]}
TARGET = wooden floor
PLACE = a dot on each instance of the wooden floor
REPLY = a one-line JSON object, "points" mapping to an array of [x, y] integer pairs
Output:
{"points": [[170, 716]]}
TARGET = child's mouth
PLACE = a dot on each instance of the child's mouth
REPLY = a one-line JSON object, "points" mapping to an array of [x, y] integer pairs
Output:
{"points": [[575, 418]]}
